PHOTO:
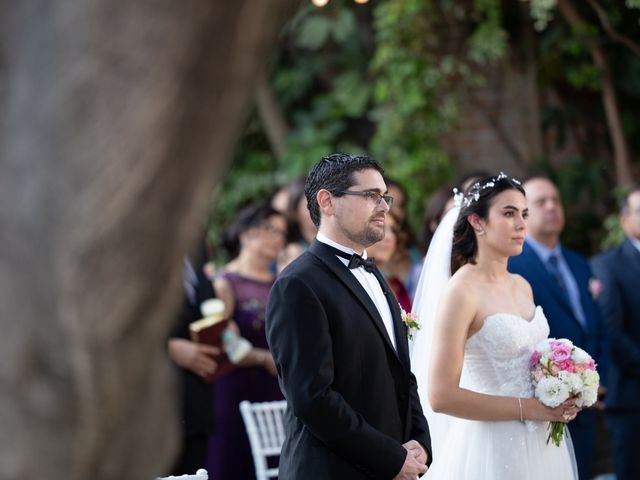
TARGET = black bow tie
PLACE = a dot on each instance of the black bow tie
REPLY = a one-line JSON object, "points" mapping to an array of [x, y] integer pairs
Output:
{"points": [[355, 260]]}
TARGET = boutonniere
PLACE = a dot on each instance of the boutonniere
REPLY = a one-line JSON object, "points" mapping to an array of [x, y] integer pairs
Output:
{"points": [[595, 288], [411, 321]]}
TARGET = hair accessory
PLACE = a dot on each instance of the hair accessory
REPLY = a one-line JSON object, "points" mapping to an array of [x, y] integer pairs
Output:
{"points": [[462, 200]]}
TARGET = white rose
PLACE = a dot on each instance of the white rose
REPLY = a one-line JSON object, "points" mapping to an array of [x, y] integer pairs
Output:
{"points": [[543, 346], [551, 391], [587, 397], [591, 379], [572, 380], [580, 356]]}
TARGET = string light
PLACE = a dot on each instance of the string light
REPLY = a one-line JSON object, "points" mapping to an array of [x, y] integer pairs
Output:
{"points": [[322, 3]]}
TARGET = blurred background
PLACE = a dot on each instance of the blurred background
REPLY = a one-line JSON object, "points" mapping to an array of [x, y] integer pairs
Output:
{"points": [[435, 89]]}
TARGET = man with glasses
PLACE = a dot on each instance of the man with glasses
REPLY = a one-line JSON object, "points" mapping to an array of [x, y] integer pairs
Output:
{"points": [[619, 271], [340, 346]]}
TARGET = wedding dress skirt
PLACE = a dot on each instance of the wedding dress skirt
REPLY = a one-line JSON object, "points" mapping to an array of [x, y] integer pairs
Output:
{"points": [[496, 362]]}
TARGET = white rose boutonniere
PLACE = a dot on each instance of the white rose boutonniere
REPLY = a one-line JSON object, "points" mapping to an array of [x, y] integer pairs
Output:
{"points": [[411, 321]]}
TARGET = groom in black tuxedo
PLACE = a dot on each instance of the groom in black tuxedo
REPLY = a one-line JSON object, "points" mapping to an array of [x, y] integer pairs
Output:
{"points": [[336, 334]]}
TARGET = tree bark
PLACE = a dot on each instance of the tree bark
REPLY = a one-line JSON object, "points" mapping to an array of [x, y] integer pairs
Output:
{"points": [[621, 155], [271, 116], [116, 120]]}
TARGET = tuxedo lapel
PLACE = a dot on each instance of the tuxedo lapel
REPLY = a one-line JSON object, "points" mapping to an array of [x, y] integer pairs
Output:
{"points": [[323, 253]]}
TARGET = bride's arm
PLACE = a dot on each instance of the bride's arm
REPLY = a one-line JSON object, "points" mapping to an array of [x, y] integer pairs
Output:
{"points": [[455, 316]]}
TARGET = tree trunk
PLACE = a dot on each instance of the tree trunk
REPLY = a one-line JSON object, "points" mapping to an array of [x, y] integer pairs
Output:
{"points": [[621, 156], [116, 120], [271, 115]]}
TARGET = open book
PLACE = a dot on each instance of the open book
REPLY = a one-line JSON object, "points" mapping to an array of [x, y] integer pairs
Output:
{"points": [[209, 330]]}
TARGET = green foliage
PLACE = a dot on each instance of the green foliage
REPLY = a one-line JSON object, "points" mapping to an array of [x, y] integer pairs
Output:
{"points": [[614, 235], [409, 113], [385, 78]]}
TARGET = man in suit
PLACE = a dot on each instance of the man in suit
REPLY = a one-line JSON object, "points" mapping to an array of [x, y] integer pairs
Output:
{"points": [[560, 280], [619, 271], [340, 346]]}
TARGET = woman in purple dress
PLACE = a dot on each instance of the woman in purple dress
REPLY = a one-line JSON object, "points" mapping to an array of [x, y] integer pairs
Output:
{"points": [[244, 284]]}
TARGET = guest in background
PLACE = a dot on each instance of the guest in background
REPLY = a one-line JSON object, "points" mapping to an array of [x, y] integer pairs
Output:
{"points": [[440, 202], [280, 199], [464, 182], [302, 231], [406, 255], [254, 242], [400, 198], [195, 362], [383, 252], [560, 280], [619, 271]]}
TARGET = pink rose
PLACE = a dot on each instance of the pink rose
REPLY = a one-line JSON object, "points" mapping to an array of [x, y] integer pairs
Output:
{"points": [[591, 365], [567, 366], [595, 287], [560, 352], [535, 358]]}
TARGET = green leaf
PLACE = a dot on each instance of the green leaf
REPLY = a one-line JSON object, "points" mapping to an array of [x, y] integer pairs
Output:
{"points": [[314, 32]]}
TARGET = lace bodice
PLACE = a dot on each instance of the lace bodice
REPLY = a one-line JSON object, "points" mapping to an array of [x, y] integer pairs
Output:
{"points": [[496, 358]]}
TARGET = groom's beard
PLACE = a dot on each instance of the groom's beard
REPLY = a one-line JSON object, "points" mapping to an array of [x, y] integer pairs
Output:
{"points": [[370, 234]]}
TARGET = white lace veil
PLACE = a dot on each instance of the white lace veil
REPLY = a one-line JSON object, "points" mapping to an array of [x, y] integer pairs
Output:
{"points": [[436, 272]]}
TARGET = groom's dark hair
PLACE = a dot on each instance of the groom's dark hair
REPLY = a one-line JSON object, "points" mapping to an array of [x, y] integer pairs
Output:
{"points": [[335, 174]]}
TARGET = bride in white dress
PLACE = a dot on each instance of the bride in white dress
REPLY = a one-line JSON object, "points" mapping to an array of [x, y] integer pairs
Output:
{"points": [[471, 357]]}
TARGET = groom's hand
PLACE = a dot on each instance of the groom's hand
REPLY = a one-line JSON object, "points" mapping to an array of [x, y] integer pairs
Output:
{"points": [[417, 450], [411, 468]]}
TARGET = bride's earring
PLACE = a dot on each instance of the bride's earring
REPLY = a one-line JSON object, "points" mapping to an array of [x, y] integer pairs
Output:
{"points": [[481, 232]]}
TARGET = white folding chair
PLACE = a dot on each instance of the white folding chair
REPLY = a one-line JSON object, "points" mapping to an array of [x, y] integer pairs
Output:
{"points": [[263, 422]]}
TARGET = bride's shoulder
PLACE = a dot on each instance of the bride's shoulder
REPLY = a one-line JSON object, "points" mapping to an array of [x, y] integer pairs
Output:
{"points": [[522, 285], [462, 287]]}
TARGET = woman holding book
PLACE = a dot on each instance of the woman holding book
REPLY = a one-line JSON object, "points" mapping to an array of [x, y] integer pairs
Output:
{"points": [[254, 242]]}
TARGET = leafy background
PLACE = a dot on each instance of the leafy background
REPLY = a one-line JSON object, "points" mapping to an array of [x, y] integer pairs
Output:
{"points": [[384, 78]]}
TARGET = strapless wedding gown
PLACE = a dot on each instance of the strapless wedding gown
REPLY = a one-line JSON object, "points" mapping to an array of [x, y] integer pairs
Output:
{"points": [[496, 362]]}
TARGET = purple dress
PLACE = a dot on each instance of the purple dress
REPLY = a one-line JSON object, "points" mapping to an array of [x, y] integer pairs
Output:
{"points": [[229, 455]]}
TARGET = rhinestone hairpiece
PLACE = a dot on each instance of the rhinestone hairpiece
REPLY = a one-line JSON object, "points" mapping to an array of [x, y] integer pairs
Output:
{"points": [[462, 200]]}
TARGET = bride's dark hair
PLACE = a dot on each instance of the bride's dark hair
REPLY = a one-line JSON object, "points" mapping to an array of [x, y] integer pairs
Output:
{"points": [[477, 201]]}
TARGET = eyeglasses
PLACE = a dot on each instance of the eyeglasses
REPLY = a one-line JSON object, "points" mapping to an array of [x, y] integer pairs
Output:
{"points": [[373, 197]]}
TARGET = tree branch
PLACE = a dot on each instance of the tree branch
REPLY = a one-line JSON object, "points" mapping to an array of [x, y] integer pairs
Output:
{"points": [[271, 116], [621, 154], [615, 36]]}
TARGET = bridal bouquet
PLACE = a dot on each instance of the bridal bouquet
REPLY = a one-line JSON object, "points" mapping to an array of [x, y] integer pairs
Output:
{"points": [[561, 370]]}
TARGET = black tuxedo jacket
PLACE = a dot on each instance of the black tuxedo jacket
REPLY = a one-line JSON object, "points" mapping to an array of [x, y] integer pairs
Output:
{"points": [[351, 398], [619, 271]]}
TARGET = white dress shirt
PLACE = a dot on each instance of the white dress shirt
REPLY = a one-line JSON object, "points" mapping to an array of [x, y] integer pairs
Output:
{"points": [[370, 284]]}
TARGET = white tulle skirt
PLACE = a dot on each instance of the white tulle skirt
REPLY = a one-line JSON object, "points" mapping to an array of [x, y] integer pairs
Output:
{"points": [[478, 450]]}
